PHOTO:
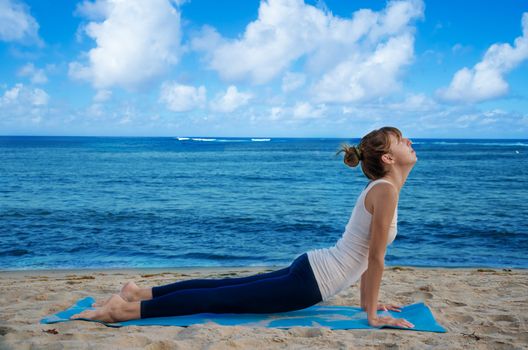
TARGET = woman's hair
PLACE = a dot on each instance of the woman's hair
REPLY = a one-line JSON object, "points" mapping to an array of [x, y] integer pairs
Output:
{"points": [[369, 151]]}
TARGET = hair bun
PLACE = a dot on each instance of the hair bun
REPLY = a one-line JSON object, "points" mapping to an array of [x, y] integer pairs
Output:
{"points": [[358, 152], [352, 155]]}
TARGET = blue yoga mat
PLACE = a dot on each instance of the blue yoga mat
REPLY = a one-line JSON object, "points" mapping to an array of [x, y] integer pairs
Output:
{"points": [[333, 317]]}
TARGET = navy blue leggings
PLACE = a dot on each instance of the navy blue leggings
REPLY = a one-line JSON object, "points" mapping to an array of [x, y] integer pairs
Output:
{"points": [[288, 289]]}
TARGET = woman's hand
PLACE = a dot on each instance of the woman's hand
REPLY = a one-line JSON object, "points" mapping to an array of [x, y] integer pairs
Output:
{"points": [[389, 321], [387, 307]]}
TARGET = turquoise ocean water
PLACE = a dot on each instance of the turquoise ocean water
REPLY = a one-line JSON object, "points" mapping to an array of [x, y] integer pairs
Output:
{"points": [[102, 202]]}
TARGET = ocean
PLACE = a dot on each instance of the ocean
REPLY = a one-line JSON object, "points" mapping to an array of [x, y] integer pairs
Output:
{"points": [[138, 202]]}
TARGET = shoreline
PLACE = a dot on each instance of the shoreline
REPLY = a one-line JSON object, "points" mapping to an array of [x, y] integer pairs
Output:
{"points": [[484, 308], [235, 268]]}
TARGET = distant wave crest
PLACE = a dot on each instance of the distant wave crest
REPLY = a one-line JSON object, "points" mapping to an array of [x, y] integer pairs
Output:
{"points": [[202, 139]]}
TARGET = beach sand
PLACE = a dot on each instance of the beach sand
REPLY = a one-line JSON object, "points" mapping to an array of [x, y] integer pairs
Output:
{"points": [[480, 308]]}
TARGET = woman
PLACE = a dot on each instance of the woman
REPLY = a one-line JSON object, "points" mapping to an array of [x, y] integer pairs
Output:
{"points": [[387, 159]]}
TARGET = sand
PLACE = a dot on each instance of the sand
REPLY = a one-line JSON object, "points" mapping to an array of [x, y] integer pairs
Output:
{"points": [[480, 308]]}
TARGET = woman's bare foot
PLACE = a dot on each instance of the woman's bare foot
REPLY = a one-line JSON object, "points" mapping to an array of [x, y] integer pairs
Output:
{"points": [[115, 310], [129, 292]]}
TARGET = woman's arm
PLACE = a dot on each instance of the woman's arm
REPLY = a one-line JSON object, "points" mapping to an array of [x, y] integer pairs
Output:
{"points": [[363, 289], [384, 202]]}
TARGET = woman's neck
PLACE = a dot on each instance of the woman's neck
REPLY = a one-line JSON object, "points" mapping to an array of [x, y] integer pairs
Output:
{"points": [[398, 176]]}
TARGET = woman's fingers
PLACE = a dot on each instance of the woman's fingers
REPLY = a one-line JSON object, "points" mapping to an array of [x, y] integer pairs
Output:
{"points": [[390, 321], [394, 307], [401, 322], [387, 307]]}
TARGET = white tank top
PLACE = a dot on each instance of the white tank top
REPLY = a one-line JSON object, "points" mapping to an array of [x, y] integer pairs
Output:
{"points": [[336, 268]]}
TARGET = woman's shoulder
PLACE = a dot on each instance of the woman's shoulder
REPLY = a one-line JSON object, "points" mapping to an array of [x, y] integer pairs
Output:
{"points": [[380, 186], [383, 188], [380, 192]]}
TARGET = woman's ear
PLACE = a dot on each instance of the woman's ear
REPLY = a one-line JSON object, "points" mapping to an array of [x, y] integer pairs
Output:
{"points": [[387, 158]]}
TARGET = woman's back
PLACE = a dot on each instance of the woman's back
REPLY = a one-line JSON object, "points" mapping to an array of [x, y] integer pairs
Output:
{"points": [[337, 267]]}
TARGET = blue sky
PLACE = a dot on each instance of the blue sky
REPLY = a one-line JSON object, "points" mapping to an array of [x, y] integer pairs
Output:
{"points": [[276, 68]]}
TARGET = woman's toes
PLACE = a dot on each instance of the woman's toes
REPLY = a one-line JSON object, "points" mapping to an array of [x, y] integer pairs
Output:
{"points": [[116, 309], [89, 314], [101, 314], [99, 303], [116, 298]]}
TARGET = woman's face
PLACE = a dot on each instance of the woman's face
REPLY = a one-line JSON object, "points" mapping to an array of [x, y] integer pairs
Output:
{"points": [[402, 150]]}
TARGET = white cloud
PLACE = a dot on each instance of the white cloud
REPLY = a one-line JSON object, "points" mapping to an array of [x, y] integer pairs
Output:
{"points": [[17, 24], [36, 75], [283, 32], [415, 103], [487, 121], [486, 79], [20, 105], [93, 11], [493, 116], [495, 112], [231, 100], [292, 81], [463, 119], [359, 118], [40, 97], [96, 110], [136, 42], [22, 95], [352, 54], [373, 48], [102, 95], [127, 115], [276, 113], [304, 110], [301, 110], [182, 98], [459, 49], [362, 77]]}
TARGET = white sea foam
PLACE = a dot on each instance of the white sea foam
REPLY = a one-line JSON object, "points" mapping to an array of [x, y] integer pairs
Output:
{"points": [[260, 140], [202, 139], [233, 140], [220, 140]]}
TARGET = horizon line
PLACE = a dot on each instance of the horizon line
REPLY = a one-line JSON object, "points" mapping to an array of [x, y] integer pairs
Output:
{"points": [[259, 137]]}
